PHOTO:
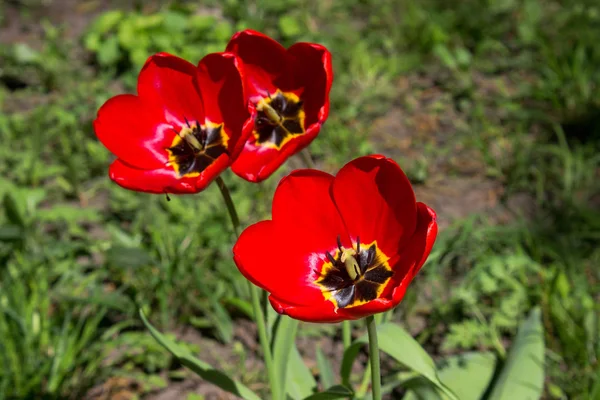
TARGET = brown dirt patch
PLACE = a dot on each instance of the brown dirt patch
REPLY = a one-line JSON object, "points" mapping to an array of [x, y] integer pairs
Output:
{"points": [[420, 132]]}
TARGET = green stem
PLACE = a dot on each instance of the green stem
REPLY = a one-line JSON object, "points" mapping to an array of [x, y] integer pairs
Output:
{"points": [[259, 316], [235, 220], [346, 334], [374, 358], [306, 157]]}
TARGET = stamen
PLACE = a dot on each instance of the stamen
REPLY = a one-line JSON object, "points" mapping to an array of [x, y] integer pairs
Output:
{"points": [[339, 243], [187, 122], [371, 255], [358, 244], [330, 257]]}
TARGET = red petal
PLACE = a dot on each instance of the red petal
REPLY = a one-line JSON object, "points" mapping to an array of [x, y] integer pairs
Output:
{"points": [[285, 256], [265, 61], [312, 70], [264, 257], [323, 312], [257, 163], [377, 202], [168, 82], [373, 307], [409, 263], [134, 131], [164, 180], [306, 219], [304, 210], [221, 87], [415, 253]]}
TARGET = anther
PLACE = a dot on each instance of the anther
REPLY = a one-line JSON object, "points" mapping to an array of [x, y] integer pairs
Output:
{"points": [[330, 258], [187, 122], [358, 244], [371, 254], [339, 243]]}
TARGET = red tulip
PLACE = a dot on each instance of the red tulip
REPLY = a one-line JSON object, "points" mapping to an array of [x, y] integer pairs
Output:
{"points": [[185, 126], [339, 248], [288, 92]]}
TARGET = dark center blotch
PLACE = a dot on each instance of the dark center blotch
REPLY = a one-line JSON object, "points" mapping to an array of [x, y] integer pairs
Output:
{"points": [[191, 159], [290, 120], [372, 272]]}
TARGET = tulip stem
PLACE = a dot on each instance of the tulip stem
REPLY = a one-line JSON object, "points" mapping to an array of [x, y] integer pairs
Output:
{"points": [[374, 358], [259, 316], [306, 157], [235, 220], [346, 334]]}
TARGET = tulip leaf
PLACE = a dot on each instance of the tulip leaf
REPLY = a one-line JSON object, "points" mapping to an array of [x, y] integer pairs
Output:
{"points": [[334, 392], [325, 370], [300, 381], [522, 376], [397, 343], [283, 341], [204, 370], [241, 305], [421, 389], [467, 375]]}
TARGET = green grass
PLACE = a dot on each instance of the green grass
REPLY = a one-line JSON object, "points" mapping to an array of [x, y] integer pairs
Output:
{"points": [[78, 255]]}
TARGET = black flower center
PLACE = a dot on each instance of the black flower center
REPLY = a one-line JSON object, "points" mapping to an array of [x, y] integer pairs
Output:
{"points": [[354, 276], [196, 147], [279, 119]]}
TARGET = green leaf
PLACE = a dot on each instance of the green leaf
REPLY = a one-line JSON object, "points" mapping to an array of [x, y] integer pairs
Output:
{"points": [[445, 56], [107, 21], [10, 232], [222, 321], [325, 369], [109, 52], [289, 26], [128, 257], [242, 305], [204, 370], [421, 389], [300, 382], [24, 54], [522, 376], [334, 392], [397, 343], [283, 342], [467, 375], [12, 211]]}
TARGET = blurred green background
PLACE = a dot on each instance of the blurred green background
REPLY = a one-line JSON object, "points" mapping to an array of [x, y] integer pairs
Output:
{"points": [[492, 107]]}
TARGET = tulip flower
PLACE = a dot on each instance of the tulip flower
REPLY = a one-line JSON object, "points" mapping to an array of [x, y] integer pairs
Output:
{"points": [[288, 98], [339, 248], [185, 126]]}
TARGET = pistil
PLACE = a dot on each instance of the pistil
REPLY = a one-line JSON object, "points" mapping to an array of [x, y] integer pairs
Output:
{"points": [[351, 264], [190, 138], [270, 112]]}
